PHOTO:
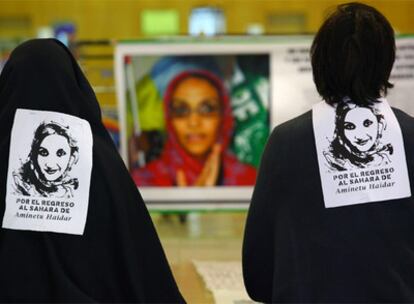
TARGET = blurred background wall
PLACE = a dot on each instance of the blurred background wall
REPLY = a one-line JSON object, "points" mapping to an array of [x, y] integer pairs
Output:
{"points": [[102, 19]]}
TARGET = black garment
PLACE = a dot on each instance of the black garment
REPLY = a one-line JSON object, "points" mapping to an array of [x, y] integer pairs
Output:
{"points": [[295, 250], [119, 257]]}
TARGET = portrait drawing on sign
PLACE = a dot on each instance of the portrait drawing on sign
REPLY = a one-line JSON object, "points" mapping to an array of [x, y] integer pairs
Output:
{"points": [[357, 141], [46, 171]]}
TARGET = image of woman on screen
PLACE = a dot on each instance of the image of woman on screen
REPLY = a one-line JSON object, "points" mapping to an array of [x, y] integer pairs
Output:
{"points": [[46, 172], [357, 139], [199, 127]]}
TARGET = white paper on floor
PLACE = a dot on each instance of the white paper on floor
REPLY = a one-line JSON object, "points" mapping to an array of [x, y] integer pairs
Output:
{"points": [[224, 280]]}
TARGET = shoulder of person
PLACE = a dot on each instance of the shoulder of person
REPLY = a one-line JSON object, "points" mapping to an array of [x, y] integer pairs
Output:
{"points": [[403, 118], [406, 122], [155, 173], [232, 163], [293, 129]]}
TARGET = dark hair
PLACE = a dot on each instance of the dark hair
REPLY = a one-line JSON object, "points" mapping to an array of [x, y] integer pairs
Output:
{"points": [[353, 54]]}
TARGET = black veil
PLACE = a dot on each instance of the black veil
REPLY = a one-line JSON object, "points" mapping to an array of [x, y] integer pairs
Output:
{"points": [[119, 257]]}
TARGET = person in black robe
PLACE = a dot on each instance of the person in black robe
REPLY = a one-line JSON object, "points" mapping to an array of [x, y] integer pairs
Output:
{"points": [[119, 257], [295, 249]]}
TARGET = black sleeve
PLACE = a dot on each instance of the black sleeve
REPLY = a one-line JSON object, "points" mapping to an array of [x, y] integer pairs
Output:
{"points": [[258, 246], [146, 273]]}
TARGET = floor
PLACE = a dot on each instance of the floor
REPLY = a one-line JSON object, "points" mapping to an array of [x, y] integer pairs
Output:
{"points": [[205, 236]]}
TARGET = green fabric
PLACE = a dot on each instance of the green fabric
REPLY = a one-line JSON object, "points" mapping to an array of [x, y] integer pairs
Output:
{"points": [[251, 118]]}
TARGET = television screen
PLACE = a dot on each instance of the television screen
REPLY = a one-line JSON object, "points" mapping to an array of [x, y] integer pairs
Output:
{"points": [[197, 120], [194, 118]]}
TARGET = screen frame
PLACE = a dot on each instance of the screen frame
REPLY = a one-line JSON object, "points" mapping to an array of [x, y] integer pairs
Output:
{"points": [[196, 198]]}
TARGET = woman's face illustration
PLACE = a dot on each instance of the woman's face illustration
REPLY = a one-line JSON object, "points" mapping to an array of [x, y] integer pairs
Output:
{"points": [[361, 128], [196, 115], [53, 156]]}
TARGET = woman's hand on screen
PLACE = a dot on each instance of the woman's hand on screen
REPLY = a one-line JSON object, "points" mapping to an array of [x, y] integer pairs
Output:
{"points": [[209, 174]]}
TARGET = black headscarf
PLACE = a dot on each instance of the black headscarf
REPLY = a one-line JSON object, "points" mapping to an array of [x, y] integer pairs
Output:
{"points": [[119, 257]]}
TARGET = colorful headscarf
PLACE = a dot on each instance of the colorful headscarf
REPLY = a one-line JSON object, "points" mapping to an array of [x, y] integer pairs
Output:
{"points": [[162, 172]]}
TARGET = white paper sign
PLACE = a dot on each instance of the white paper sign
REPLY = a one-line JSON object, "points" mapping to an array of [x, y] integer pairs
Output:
{"points": [[360, 154], [49, 172]]}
